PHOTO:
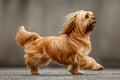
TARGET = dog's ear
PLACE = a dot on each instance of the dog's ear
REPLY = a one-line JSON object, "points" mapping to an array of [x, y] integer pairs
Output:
{"points": [[69, 24]]}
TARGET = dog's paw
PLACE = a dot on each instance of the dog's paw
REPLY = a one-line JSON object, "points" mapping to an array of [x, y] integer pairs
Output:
{"points": [[100, 67], [97, 67], [35, 73]]}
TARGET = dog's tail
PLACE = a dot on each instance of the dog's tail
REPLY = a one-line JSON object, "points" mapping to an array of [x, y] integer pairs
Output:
{"points": [[23, 36]]}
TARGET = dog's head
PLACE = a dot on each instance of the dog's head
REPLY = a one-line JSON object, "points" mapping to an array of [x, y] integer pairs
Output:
{"points": [[81, 22]]}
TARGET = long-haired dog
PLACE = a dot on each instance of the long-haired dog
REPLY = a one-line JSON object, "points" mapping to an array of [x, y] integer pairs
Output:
{"points": [[70, 49]]}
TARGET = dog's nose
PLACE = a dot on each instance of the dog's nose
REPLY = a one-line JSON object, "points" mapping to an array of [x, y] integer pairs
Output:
{"points": [[93, 17]]}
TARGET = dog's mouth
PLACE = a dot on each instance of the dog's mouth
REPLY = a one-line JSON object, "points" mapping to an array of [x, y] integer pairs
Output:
{"points": [[93, 23], [91, 26]]}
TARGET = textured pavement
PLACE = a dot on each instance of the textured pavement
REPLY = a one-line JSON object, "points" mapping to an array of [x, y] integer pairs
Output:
{"points": [[57, 74]]}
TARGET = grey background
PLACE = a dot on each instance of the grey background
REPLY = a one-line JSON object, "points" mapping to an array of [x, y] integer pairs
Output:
{"points": [[46, 17]]}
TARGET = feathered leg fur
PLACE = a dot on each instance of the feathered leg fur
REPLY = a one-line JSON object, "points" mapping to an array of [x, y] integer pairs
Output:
{"points": [[90, 64], [34, 61]]}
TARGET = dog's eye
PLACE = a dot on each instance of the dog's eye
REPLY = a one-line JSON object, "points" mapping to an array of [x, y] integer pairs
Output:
{"points": [[86, 16]]}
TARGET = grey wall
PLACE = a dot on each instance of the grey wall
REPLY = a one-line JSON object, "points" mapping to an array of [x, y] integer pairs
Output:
{"points": [[46, 17]]}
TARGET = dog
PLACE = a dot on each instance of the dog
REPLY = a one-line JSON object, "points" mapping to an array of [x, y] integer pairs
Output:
{"points": [[70, 49]]}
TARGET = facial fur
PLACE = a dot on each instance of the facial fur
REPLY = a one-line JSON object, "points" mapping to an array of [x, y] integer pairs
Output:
{"points": [[70, 49]]}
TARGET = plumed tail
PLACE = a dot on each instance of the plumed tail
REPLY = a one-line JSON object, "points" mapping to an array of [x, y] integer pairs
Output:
{"points": [[23, 36]]}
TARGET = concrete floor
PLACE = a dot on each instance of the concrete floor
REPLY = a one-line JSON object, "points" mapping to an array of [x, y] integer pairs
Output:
{"points": [[57, 74]]}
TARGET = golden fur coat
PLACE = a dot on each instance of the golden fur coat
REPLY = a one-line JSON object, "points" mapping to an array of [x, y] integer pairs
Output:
{"points": [[70, 49]]}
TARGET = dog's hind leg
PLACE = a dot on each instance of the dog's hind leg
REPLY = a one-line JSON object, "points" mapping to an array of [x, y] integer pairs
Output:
{"points": [[32, 61]]}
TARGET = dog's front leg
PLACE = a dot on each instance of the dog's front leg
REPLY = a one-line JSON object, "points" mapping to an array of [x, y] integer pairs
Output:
{"points": [[75, 69], [90, 64]]}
